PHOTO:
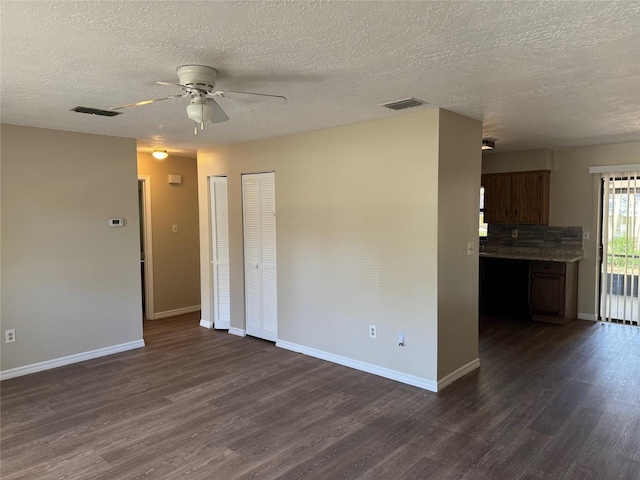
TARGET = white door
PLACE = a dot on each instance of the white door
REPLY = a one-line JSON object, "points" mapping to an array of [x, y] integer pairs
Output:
{"points": [[259, 221], [220, 252]]}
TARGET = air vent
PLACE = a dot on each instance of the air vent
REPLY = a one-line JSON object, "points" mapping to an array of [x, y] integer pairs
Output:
{"points": [[96, 111], [402, 104]]}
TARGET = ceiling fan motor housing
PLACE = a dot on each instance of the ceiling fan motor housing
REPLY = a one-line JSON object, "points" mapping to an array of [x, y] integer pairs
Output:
{"points": [[198, 76]]}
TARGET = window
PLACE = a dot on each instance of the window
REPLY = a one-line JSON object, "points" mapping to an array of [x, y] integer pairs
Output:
{"points": [[482, 228]]}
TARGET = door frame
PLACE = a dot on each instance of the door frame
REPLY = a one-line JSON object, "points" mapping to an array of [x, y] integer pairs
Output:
{"points": [[147, 241], [600, 243]]}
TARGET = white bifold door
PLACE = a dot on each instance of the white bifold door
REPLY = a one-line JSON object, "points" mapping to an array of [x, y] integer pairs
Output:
{"points": [[259, 221], [220, 252]]}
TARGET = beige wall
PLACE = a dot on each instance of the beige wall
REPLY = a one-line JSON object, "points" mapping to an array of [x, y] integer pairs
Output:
{"points": [[357, 229], [458, 205], [574, 198], [522, 160], [176, 256], [70, 284]]}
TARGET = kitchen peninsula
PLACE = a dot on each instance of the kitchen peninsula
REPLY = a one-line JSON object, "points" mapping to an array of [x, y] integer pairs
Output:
{"points": [[531, 272]]}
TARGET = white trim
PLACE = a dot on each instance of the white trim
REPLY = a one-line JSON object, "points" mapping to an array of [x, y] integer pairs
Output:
{"points": [[362, 366], [62, 361], [176, 311], [459, 373], [205, 323], [148, 247], [632, 167], [588, 316], [237, 331]]}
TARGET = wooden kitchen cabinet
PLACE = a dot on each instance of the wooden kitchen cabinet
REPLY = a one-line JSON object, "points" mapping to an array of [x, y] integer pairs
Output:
{"points": [[517, 198], [554, 292], [497, 198]]}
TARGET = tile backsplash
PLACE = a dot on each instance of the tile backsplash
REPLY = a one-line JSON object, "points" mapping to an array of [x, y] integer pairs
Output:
{"points": [[562, 239]]}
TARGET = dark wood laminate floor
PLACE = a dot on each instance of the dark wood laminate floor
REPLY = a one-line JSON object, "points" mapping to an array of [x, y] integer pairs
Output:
{"points": [[549, 402]]}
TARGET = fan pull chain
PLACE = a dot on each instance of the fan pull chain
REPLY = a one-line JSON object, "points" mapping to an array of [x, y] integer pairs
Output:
{"points": [[195, 129]]}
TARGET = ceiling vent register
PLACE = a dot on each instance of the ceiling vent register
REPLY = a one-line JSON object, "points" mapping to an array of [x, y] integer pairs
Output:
{"points": [[402, 104]]}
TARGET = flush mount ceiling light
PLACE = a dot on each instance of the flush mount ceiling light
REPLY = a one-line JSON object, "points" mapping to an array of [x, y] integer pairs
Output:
{"points": [[160, 154], [488, 144]]}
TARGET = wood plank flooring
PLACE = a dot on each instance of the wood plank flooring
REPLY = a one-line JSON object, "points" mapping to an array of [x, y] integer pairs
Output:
{"points": [[549, 402]]}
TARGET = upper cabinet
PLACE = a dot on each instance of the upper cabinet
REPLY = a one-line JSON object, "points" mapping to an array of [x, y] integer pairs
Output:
{"points": [[518, 197]]}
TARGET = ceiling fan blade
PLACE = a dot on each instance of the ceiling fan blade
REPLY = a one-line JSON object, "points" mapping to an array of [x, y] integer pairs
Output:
{"points": [[170, 84], [147, 102], [240, 95], [218, 114]]}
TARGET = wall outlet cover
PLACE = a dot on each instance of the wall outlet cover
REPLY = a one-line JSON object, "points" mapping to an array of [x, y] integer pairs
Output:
{"points": [[10, 335]]}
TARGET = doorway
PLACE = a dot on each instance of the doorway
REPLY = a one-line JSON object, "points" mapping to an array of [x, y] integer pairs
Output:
{"points": [[619, 248], [146, 256]]}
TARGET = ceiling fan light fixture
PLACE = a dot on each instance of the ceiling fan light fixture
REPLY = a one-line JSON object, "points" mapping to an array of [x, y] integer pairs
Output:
{"points": [[200, 112], [488, 144], [160, 154]]}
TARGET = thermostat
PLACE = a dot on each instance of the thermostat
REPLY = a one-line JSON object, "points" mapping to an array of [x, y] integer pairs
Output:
{"points": [[116, 222]]}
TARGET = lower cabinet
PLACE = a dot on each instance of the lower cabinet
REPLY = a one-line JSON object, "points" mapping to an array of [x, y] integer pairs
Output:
{"points": [[542, 291], [554, 292]]}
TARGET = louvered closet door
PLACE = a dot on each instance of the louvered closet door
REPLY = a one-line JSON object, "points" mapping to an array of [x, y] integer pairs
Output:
{"points": [[220, 252], [259, 217]]}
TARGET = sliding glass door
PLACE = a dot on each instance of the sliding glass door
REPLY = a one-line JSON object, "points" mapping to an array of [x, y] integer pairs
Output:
{"points": [[620, 247]]}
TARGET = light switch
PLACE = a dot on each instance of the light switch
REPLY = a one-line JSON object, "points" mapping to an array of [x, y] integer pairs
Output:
{"points": [[174, 229], [471, 248]]}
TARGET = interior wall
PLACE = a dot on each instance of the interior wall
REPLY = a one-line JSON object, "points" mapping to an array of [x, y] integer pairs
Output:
{"points": [[356, 237], [522, 160], [70, 283], [460, 163], [176, 256], [574, 201]]}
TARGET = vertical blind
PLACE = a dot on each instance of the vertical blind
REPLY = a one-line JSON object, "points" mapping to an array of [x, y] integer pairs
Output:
{"points": [[620, 247]]}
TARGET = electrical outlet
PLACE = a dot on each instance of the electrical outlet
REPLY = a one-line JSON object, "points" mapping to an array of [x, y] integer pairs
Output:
{"points": [[10, 336], [372, 331], [514, 233], [401, 339], [174, 229]]}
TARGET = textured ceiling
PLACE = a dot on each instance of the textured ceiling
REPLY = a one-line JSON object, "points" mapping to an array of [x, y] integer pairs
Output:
{"points": [[538, 74]]}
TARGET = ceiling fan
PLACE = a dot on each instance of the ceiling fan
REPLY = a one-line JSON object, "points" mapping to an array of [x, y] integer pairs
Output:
{"points": [[198, 82]]}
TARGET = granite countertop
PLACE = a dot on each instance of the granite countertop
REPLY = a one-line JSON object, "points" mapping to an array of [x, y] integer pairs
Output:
{"points": [[542, 256]]}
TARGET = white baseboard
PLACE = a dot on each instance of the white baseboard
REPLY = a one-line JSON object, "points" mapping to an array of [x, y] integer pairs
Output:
{"points": [[68, 360], [206, 323], [177, 311], [459, 373], [588, 316], [237, 331], [362, 366]]}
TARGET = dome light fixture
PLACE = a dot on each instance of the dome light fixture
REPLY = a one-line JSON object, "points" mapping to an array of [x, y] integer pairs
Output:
{"points": [[160, 154], [488, 144]]}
